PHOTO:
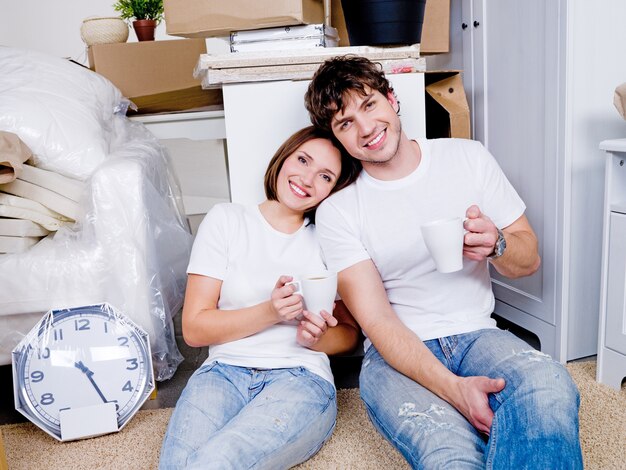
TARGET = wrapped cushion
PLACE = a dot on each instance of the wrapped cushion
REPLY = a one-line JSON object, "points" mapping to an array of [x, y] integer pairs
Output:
{"points": [[61, 110], [20, 208]]}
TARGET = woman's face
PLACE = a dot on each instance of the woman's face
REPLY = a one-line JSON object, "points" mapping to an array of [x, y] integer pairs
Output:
{"points": [[308, 175]]}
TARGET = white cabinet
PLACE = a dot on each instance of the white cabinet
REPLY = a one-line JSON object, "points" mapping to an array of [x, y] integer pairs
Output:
{"points": [[540, 77], [612, 338]]}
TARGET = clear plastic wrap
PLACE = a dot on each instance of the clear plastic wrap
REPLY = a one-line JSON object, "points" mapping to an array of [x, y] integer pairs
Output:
{"points": [[129, 247], [61, 110], [82, 372]]}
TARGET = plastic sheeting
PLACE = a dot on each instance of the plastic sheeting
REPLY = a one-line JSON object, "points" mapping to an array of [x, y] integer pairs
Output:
{"points": [[130, 245], [82, 372]]}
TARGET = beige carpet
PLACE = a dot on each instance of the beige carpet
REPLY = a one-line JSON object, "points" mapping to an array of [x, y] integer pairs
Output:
{"points": [[354, 445]]}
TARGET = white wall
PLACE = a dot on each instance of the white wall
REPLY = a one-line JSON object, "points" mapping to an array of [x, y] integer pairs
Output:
{"points": [[53, 26]]}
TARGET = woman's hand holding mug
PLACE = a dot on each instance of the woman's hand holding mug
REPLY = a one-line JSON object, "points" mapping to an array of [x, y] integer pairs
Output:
{"points": [[285, 305], [312, 327]]}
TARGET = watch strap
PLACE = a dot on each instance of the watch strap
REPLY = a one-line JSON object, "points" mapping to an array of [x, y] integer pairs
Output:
{"points": [[499, 247]]}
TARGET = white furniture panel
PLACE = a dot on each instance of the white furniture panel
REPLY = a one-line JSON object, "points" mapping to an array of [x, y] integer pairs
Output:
{"points": [[261, 115], [540, 90], [196, 146], [611, 368], [200, 125], [615, 333]]}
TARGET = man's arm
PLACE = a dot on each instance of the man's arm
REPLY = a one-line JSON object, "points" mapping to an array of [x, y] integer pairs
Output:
{"points": [[363, 292], [521, 257]]}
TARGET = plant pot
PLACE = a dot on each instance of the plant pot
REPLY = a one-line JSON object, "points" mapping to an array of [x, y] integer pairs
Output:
{"points": [[144, 29], [383, 22]]}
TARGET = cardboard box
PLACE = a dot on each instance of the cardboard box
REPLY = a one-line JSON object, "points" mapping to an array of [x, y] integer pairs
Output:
{"points": [[155, 75], [435, 29], [447, 111], [208, 18]]}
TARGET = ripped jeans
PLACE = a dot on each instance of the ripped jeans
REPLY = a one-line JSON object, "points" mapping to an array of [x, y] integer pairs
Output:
{"points": [[535, 423], [236, 418]]}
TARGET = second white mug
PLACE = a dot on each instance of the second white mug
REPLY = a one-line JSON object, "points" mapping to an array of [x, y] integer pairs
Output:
{"points": [[444, 240], [318, 291]]}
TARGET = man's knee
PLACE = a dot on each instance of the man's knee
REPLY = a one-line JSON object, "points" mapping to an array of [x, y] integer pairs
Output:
{"points": [[542, 391]]}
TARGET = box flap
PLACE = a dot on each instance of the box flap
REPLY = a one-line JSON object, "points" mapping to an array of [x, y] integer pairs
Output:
{"points": [[178, 100], [436, 27], [450, 94]]}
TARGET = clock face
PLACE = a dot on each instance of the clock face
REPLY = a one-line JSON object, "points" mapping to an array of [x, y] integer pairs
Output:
{"points": [[82, 357]]}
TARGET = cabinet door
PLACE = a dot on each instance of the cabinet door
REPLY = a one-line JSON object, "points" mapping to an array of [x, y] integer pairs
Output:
{"points": [[512, 53], [616, 285]]}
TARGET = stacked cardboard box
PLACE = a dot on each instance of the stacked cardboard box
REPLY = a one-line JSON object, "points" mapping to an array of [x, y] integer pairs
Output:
{"points": [[155, 75], [212, 18]]}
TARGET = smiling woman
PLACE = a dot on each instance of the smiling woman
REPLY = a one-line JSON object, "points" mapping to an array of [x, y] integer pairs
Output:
{"points": [[268, 375], [306, 153]]}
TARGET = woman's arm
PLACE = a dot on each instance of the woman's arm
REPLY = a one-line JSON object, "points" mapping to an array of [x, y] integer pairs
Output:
{"points": [[204, 324], [332, 334]]}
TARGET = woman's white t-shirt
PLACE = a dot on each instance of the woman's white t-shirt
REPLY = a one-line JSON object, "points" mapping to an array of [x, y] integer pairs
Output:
{"points": [[236, 245]]}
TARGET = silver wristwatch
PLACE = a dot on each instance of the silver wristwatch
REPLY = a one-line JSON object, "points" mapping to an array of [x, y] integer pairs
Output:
{"points": [[499, 247]]}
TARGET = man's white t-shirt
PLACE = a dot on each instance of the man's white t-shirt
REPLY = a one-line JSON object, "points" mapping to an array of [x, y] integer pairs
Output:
{"points": [[236, 245], [380, 220]]}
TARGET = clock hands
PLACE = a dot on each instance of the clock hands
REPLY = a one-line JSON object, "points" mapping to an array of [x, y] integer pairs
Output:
{"points": [[83, 368]]}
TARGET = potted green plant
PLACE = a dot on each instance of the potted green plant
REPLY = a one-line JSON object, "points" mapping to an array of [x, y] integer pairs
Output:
{"points": [[146, 13]]}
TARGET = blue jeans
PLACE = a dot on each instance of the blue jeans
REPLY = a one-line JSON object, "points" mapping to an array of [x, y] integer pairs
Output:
{"points": [[535, 423], [231, 417]]}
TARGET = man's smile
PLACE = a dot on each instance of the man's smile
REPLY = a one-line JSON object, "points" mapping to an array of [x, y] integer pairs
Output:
{"points": [[373, 144]]}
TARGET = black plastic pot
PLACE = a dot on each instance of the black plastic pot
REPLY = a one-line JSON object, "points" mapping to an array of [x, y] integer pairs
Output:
{"points": [[383, 22]]}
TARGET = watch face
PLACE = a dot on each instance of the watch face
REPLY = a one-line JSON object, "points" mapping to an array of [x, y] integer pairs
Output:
{"points": [[82, 357]]}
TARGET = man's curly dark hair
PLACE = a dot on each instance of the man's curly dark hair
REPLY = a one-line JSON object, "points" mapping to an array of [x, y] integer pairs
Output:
{"points": [[334, 79]]}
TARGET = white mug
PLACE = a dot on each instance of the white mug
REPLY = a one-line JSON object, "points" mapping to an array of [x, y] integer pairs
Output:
{"points": [[318, 291], [444, 240]]}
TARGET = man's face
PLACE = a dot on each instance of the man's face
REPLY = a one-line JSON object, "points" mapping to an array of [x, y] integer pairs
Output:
{"points": [[369, 127]]}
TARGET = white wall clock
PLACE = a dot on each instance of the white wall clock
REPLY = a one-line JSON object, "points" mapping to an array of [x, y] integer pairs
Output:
{"points": [[82, 372]]}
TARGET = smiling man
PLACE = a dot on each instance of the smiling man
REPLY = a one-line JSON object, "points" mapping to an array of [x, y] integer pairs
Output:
{"points": [[440, 381]]}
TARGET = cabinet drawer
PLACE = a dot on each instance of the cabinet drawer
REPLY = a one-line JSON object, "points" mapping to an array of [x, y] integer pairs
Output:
{"points": [[615, 335]]}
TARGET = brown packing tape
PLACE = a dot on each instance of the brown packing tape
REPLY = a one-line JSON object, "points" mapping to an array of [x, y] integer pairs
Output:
{"points": [[446, 89]]}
